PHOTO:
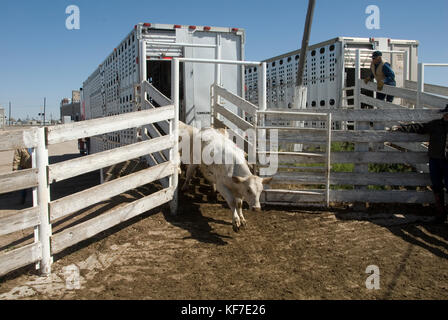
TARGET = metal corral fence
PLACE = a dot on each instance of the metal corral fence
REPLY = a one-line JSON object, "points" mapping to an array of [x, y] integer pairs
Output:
{"points": [[44, 211], [367, 164]]}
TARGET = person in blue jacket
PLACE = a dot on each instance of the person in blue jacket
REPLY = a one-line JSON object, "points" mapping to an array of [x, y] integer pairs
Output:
{"points": [[383, 74]]}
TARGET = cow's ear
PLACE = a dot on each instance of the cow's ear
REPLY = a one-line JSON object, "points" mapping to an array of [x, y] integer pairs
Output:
{"points": [[267, 180], [237, 179]]}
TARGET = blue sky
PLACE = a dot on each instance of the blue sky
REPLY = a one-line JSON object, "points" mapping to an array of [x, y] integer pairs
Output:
{"points": [[40, 58]]}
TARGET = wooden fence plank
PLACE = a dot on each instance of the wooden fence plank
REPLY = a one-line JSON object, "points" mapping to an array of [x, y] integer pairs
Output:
{"points": [[380, 104], [18, 180], [164, 125], [429, 88], [83, 199], [236, 100], [293, 196], [236, 120], [155, 94], [433, 101], [154, 133], [353, 178], [247, 145], [394, 113], [88, 128], [18, 258], [319, 135], [426, 98], [19, 220], [288, 115], [390, 90], [67, 169], [87, 229], [352, 196], [360, 157], [17, 139], [382, 196]]}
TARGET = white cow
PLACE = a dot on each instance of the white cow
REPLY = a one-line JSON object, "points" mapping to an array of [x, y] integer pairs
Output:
{"points": [[233, 179]]}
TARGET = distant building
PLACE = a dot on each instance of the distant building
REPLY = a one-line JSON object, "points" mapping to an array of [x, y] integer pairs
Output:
{"points": [[72, 108], [76, 96], [2, 118]]}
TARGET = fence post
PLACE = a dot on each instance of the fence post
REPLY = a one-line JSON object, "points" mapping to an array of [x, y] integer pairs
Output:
{"points": [[328, 160], [260, 135], [142, 62], [420, 83], [43, 194], [262, 105], [218, 57], [174, 131], [360, 125], [357, 92]]}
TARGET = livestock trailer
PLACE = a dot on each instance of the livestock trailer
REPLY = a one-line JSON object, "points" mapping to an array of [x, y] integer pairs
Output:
{"points": [[146, 53], [330, 71]]}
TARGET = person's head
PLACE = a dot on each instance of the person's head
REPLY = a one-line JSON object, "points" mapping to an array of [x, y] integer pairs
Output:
{"points": [[376, 57], [445, 116], [445, 113]]}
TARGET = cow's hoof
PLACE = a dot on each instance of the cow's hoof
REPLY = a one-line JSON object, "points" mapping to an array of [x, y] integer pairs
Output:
{"points": [[235, 227], [243, 224]]}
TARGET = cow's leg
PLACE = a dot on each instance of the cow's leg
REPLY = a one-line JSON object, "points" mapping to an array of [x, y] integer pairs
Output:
{"points": [[190, 170], [232, 202], [239, 205]]}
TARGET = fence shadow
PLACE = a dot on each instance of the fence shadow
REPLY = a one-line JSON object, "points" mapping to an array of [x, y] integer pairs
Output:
{"points": [[416, 229]]}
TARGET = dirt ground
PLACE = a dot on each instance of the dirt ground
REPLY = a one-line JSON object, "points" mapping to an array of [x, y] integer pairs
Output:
{"points": [[284, 253]]}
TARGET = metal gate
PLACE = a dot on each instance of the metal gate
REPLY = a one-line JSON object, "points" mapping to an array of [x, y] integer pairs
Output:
{"points": [[302, 177]]}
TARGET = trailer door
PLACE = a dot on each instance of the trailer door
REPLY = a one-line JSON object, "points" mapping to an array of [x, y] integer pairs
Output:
{"points": [[200, 76]]}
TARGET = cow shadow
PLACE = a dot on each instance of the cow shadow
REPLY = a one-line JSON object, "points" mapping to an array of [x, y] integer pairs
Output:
{"points": [[189, 216]]}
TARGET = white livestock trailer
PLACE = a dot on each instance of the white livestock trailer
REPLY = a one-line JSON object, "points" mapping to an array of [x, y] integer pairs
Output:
{"points": [[329, 73], [146, 53]]}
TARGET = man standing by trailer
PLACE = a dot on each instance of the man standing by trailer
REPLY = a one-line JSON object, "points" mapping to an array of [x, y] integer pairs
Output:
{"points": [[383, 74], [438, 157]]}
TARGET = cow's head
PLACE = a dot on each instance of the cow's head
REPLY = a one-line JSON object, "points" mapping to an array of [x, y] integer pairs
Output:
{"points": [[250, 188]]}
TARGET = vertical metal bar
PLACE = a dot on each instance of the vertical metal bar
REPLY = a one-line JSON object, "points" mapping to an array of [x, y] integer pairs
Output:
{"points": [[212, 106], [420, 83], [142, 60], [357, 80], [43, 195], [360, 125], [218, 57], [262, 93], [262, 89], [260, 135], [329, 123], [174, 132], [35, 202]]}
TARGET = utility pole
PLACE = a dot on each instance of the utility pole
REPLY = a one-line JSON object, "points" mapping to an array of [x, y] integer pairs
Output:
{"points": [[9, 113], [45, 101], [300, 92]]}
